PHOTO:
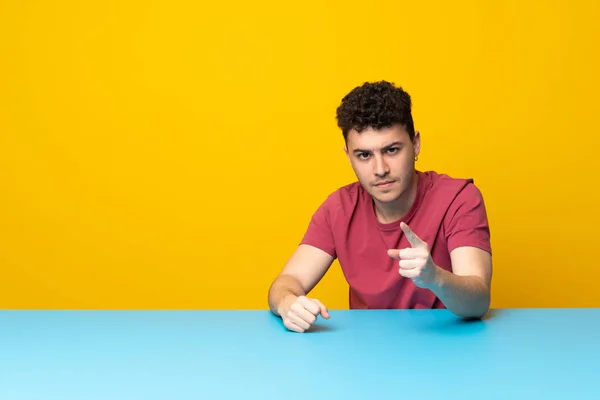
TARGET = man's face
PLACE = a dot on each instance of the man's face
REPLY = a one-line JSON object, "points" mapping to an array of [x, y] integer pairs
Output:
{"points": [[383, 160]]}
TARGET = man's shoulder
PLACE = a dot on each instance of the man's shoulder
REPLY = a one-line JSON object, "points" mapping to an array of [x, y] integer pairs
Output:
{"points": [[346, 195], [459, 205], [444, 184], [351, 190], [345, 202], [440, 179]]}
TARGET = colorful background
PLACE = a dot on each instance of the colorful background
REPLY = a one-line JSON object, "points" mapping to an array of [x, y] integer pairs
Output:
{"points": [[170, 154]]}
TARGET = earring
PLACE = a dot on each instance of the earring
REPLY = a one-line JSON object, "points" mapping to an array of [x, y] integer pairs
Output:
{"points": [[416, 158]]}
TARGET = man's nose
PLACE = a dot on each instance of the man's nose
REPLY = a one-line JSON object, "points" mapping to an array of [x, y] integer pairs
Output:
{"points": [[381, 168]]}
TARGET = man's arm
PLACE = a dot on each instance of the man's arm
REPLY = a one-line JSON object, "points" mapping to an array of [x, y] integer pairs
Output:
{"points": [[466, 290], [287, 294]]}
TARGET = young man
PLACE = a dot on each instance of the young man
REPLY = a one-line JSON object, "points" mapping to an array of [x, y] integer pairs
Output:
{"points": [[404, 238]]}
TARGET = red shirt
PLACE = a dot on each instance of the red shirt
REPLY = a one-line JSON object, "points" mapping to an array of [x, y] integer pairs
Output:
{"points": [[447, 213]]}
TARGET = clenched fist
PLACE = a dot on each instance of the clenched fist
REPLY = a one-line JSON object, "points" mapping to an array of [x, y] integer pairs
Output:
{"points": [[300, 312]]}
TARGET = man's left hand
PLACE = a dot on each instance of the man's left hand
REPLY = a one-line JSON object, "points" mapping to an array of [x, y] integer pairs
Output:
{"points": [[415, 261]]}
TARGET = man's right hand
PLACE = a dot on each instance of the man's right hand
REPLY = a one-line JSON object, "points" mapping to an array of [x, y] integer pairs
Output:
{"points": [[300, 312]]}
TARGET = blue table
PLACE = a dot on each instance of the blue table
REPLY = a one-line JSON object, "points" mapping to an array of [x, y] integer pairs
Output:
{"points": [[400, 354]]}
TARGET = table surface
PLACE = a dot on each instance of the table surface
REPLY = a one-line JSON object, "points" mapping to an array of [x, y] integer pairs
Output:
{"points": [[368, 354]]}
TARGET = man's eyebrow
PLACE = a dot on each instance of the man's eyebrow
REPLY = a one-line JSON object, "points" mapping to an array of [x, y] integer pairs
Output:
{"points": [[383, 148]]}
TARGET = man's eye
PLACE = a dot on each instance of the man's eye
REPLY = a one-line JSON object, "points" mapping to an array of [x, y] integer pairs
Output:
{"points": [[363, 155], [393, 150]]}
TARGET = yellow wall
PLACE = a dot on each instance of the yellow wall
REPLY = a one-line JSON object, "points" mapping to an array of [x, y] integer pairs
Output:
{"points": [[169, 154]]}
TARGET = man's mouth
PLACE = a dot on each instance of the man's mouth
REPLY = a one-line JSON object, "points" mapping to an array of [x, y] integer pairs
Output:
{"points": [[384, 184]]}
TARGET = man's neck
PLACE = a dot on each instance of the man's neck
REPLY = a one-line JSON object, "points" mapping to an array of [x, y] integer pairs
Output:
{"points": [[392, 212]]}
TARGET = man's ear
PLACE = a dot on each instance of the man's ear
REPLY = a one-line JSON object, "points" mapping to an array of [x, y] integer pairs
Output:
{"points": [[417, 143]]}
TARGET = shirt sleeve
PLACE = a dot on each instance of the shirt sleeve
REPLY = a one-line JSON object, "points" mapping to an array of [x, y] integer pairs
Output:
{"points": [[467, 222], [319, 233]]}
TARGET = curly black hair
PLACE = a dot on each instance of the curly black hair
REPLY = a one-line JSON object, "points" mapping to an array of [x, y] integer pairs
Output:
{"points": [[375, 105]]}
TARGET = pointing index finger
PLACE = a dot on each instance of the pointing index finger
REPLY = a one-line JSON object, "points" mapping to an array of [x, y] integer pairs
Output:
{"points": [[413, 239]]}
